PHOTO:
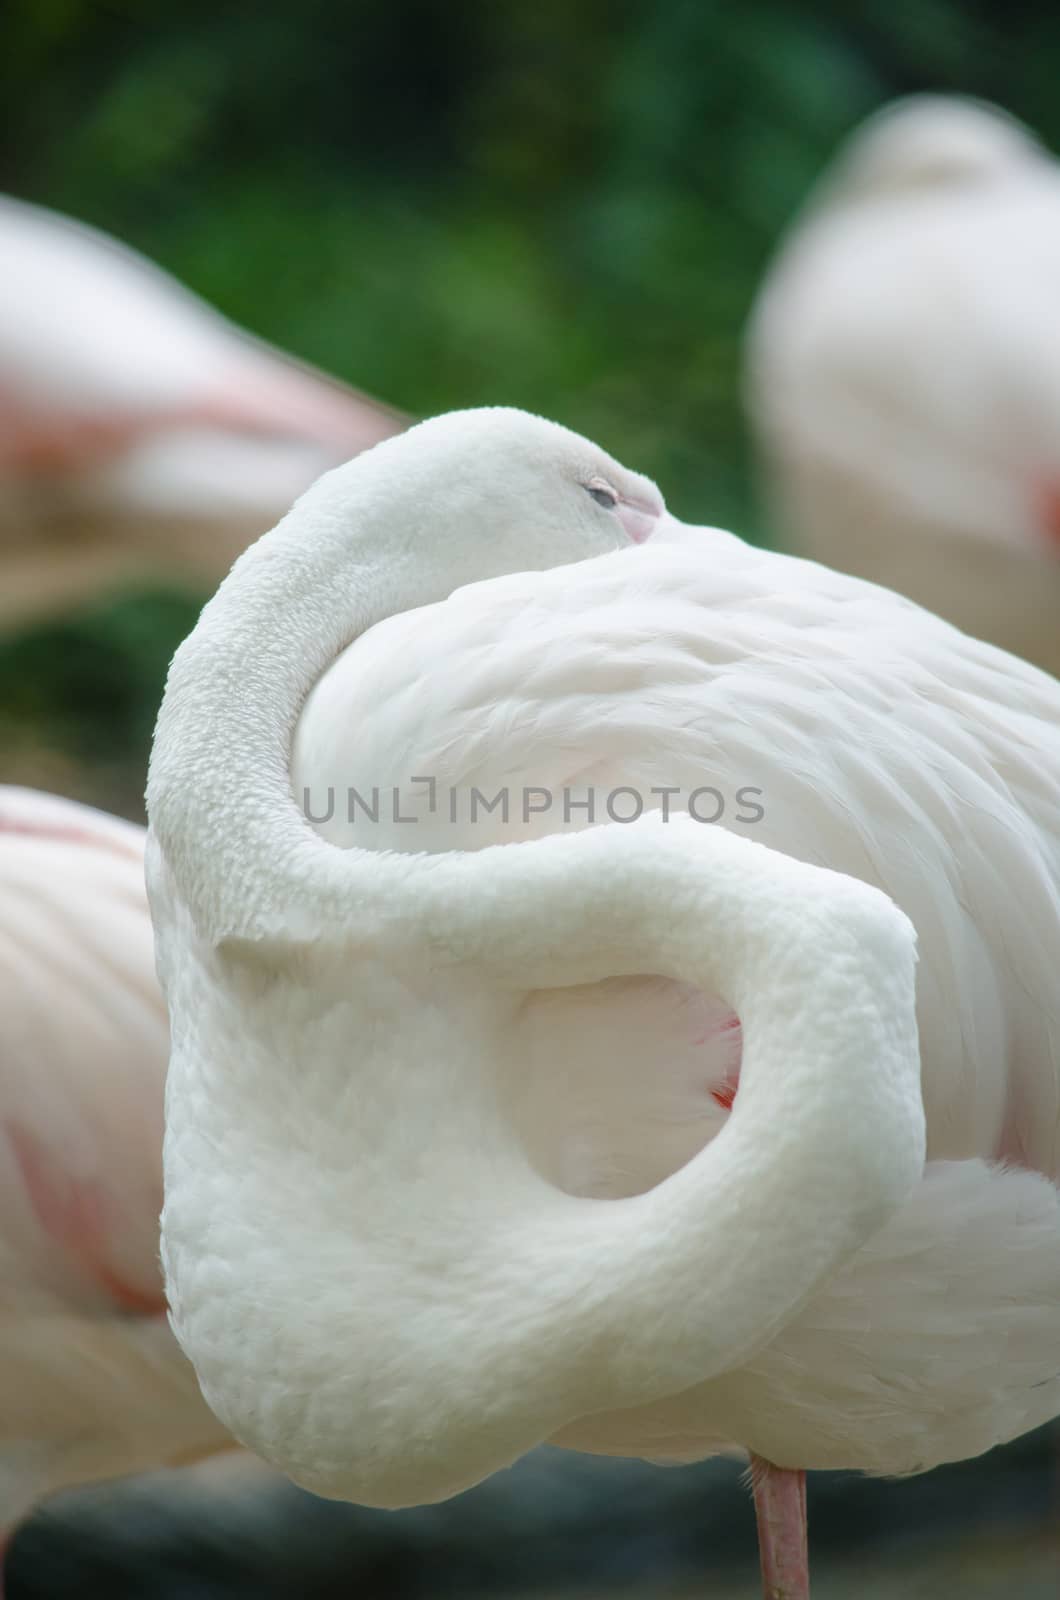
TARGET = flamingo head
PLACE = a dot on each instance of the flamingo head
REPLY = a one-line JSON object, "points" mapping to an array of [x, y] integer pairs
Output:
{"points": [[931, 141], [506, 490]]}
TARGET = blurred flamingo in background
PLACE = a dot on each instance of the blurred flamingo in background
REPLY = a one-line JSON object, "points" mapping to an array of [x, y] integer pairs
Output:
{"points": [[612, 1136], [903, 370], [92, 1383], [141, 434]]}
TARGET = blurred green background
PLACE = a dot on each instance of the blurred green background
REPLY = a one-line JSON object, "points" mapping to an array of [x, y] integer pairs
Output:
{"points": [[563, 207]]}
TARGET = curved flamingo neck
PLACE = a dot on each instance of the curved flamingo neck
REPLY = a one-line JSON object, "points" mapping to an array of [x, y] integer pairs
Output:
{"points": [[219, 789]]}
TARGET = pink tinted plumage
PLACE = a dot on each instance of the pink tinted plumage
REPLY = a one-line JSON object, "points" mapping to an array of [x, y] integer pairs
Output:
{"points": [[141, 434], [92, 1381]]}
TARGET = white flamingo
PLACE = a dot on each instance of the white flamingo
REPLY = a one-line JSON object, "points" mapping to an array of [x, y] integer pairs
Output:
{"points": [[141, 435], [611, 1136], [93, 1382], [903, 370]]}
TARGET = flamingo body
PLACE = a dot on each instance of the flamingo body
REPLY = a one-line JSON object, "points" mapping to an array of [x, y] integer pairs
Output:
{"points": [[142, 435], [878, 741], [93, 1384], [902, 370]]}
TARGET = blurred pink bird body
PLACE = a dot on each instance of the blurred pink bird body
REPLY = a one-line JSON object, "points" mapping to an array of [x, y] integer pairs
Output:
{"points": [[92, 1383], [140, 433], [903, 370]]}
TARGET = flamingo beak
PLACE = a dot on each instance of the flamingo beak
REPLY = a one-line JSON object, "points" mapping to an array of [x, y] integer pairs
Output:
{"points": [[638, 518]]}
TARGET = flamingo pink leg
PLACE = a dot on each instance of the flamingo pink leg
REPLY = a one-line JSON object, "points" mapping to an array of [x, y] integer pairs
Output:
{"points": [[1049, 503], [780, 1507]]}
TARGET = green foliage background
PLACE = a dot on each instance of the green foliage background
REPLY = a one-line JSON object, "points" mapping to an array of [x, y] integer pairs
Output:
{"points": [[560, 206]]}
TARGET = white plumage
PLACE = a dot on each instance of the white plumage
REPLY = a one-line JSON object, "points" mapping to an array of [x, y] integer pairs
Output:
{"points": [[450, 1164], [903, 370]]}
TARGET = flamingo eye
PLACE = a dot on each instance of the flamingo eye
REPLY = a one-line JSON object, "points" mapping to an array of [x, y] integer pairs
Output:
{"points": [[602, 495]]}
